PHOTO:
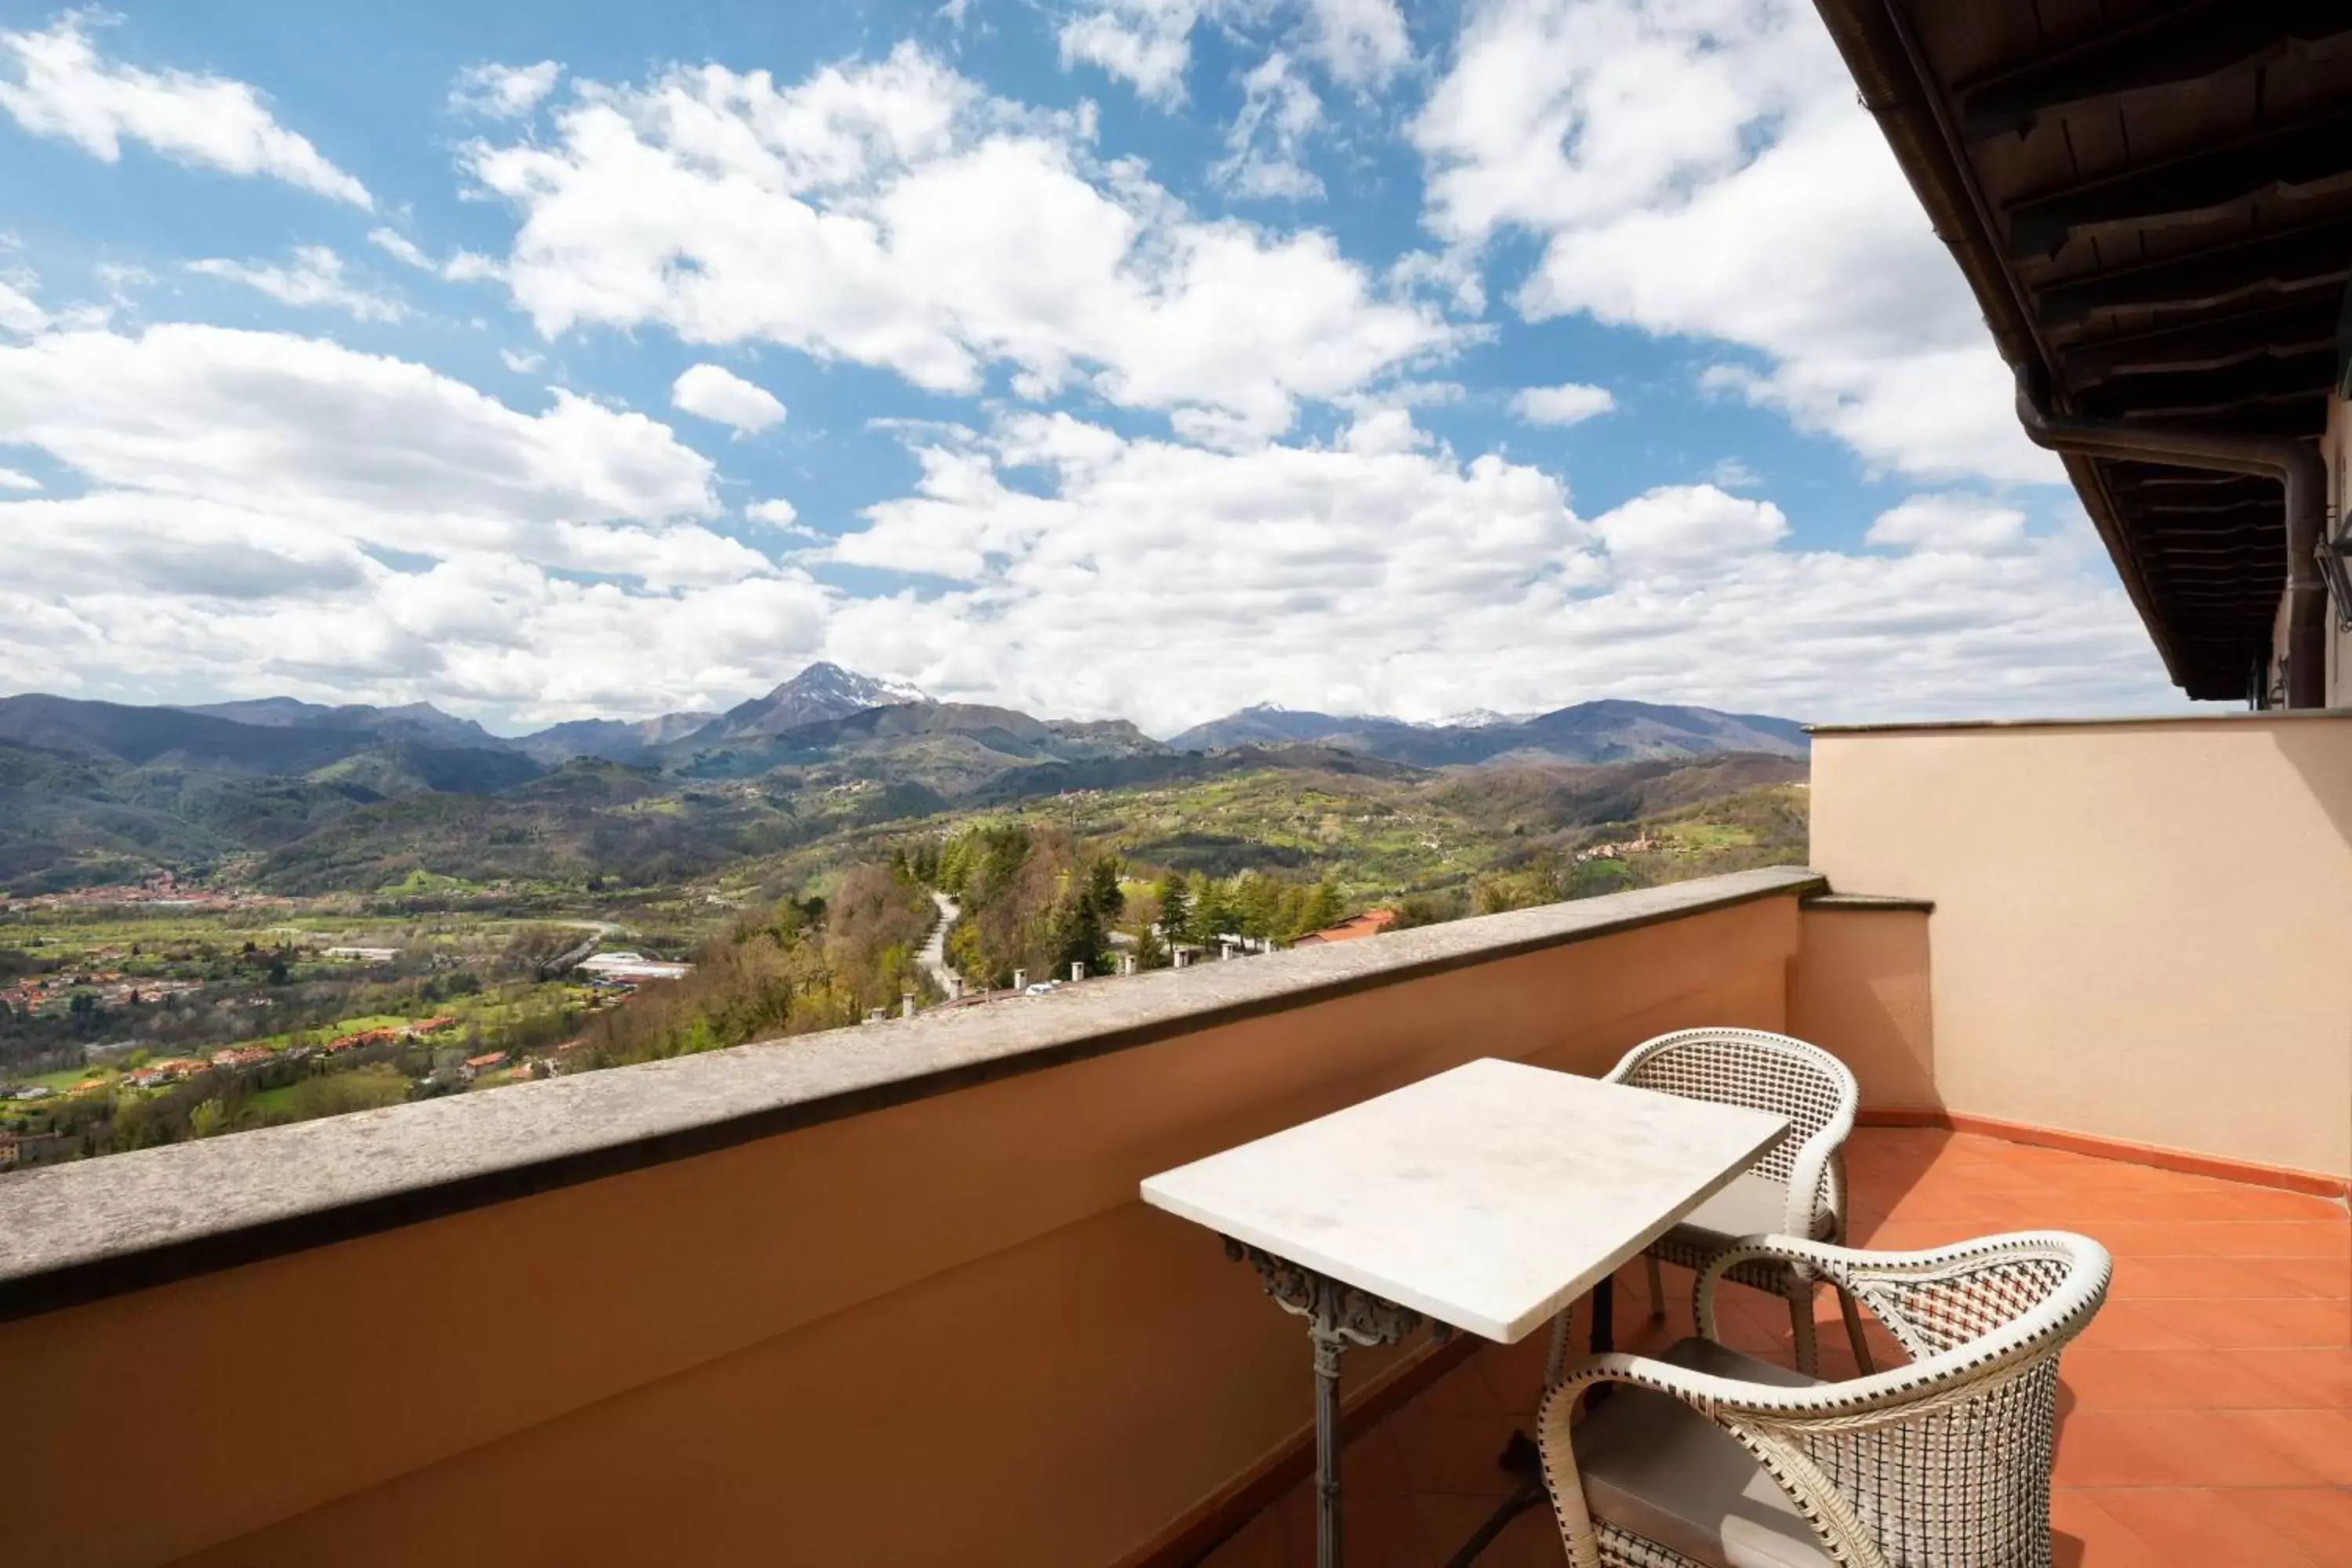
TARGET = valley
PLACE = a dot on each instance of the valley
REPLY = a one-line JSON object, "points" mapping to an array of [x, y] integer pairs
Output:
{"points": [[221, 918]]}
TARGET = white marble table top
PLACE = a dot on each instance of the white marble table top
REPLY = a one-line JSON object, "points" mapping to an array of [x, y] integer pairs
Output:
{"points": [[1488, 1196]]}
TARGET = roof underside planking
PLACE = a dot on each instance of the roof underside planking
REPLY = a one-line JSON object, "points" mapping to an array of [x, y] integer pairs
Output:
{"points": [[2153, 203]]}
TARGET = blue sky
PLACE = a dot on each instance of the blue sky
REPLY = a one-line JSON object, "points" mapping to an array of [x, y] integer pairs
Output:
{"points": [[1136, 357]]}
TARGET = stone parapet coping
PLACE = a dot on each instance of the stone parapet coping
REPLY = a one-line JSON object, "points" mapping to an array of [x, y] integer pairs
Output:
{"points": [[2150, 721], [1881, 903], [78, 1232]]}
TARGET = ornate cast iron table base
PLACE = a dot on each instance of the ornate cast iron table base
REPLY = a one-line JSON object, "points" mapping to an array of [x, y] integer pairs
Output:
{"points": [[1338, 1315]]}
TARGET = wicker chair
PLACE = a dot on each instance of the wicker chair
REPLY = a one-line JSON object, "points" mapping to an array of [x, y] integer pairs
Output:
{"points": [[1796, 1188], [1717, 1460]]}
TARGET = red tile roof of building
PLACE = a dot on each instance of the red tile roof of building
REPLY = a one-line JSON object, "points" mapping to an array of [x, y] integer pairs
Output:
{"points": [[1371, 922]]}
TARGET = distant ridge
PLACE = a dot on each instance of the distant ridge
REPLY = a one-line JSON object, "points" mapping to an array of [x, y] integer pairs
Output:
{"points": [[351, 795], [1611, 730]]}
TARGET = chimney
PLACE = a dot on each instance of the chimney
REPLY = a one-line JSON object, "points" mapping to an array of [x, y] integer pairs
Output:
{"points": [[874, 1017], [1225, 950], [1126, 964], [1078, 972], [1021, 980], [906, 1004], [955, 987]]}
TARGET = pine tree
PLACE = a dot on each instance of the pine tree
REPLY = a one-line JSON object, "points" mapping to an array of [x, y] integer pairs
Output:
{"points": [[1175, 910]]}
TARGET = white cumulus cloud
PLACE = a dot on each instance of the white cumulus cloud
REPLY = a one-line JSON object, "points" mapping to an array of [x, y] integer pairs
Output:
{"points": [[1701, 167], [503, 92], [1168, 582], [15, 479], [1146, 42], [1266, 144], [57, 84], [1360, 42], [890, 213], [1688, 522], [720, 395], [1970, 524], [1571, 402], [267, 512], [18, 311], [315, 278]]}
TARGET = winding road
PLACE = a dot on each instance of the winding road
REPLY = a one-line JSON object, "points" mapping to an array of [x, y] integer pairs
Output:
{"points": [[934, 956]]}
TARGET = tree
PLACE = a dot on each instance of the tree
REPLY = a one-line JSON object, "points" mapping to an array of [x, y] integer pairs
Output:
{"points": [[1103, 888], [1175, 909], [1213, 911], [1257, 905]]}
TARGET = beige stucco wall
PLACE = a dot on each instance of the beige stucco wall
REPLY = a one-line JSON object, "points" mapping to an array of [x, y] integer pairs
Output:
{"points": [[1862, 990], [2142, 931], [941, 1332]]}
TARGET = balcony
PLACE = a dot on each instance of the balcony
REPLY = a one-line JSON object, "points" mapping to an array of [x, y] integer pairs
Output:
{"points": [[2206, 1415], [887, 1295]]}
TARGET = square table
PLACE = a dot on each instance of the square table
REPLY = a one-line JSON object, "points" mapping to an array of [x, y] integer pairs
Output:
{"points": [[1487, 1198]]}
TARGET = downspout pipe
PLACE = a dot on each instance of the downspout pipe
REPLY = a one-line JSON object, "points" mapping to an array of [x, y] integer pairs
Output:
{"points": [[2296, 465]]}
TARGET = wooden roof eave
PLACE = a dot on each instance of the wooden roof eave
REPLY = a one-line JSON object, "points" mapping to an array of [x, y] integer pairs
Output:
{"points": [[1883, 63]]}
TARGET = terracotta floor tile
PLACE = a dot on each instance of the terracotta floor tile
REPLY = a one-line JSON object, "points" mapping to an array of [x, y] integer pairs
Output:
{"points": [[2083, 1535], [1257, 1544], [2159, 1279], [2320, 1440], [2262, 1238], [2130, 1380], [1450, 1453], [2329, 1277], [2317, 1519], [1378, 1526], [2169, 1448], [2226, 1239], [2135, 1326], [2203, 1525], [1462, 1391], [2323, 1378], [1529, 1541], [2221, 1380], [2279, 1322]]}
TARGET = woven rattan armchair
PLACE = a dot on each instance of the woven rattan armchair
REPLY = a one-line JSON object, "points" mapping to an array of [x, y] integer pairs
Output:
{"points": [[1719, 1460], [1796, 1187]]}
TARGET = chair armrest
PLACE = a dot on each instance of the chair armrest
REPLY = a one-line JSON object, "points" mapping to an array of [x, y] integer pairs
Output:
{"points": [[1855, 1269], [1809, 1172], [1556, 1443], [1713, 1398], [1811, 1258], [1724, 1402]]}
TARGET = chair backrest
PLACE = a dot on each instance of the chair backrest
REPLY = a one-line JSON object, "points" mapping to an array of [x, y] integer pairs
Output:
{"points": [[1952, 1469], [1759, 1069]]}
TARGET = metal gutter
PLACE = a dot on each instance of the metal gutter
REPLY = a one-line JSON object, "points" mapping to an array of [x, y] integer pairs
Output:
{"points": [[2296, 465]]}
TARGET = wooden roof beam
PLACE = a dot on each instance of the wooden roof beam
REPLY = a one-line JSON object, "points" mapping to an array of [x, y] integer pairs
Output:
{"points": [[2293, 158], [2283, 262], [2304, 325], [2187, 45]]}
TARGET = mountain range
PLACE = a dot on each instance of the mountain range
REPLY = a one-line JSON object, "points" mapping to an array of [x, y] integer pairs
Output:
{"points": [[96, 791], [1610, 731]]}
